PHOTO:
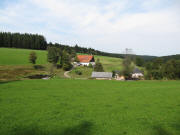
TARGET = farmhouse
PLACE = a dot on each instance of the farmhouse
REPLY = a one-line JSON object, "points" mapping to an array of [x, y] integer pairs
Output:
{"points": [[85, 60], [102, 75], [137, 74]]}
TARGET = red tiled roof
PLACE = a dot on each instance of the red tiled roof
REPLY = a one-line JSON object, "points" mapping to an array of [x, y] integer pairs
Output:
{"points": [[85, 58]]}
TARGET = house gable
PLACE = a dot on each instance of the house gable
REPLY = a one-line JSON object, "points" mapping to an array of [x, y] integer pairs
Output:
{"points": [[85, 58]]}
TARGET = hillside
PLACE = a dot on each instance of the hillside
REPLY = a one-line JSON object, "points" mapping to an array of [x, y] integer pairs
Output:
{"points": [[175, 57], [12, 56], [15, 62]]}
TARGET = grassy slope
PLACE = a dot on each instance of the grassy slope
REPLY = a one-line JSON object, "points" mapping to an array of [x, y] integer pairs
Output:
{"points": [[9, 56], [89, 107], [110, 63], [14, 64]]}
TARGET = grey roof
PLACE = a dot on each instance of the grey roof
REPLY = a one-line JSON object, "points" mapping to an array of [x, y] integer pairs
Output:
{"points": [[136, 70], [101, 75]]}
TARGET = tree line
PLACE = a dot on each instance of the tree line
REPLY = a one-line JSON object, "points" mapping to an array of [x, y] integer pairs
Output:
{"points": [[25, 41], [161, 68], [158, 69]]}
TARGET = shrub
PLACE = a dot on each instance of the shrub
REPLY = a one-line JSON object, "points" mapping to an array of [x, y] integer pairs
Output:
{"points": [[78, 72], [32, 58], [90, 65], [67, 66], [98, 66]]}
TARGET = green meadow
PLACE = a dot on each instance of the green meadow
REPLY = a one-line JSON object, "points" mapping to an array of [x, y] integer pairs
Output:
{"points": [[89, 107], [10, 56]]}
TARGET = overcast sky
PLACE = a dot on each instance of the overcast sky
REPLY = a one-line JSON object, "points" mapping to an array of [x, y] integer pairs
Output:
{"points": [[150, 27]]}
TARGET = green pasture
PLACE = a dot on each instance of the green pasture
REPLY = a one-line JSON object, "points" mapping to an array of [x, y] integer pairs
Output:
{"points": [[10, 56], [110, 63], [89, 107]]}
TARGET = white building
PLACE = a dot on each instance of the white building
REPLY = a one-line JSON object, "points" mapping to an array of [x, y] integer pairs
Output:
{"points": [[137, 74]]}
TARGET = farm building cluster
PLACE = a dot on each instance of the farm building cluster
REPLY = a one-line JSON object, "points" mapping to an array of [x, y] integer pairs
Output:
{"points": [[86, 60]]}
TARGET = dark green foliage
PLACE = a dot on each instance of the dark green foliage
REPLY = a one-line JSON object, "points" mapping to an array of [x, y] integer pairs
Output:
{"points": [[113, 73], [171, 57], [83, 50], [98, 66], [53, 55], [90, 65], [139, 62], [32, 58], [171, 69], [78, 72], [157, 69], [26, 41], [66, 64]]}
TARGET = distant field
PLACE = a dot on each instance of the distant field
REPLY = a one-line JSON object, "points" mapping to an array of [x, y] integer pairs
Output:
{"points": [[89, 107], [9, 56], [110, 63]]}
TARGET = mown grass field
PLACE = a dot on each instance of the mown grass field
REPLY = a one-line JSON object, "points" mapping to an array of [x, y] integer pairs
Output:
{"points": [[89, 107], [10, 56], [110, 63]]}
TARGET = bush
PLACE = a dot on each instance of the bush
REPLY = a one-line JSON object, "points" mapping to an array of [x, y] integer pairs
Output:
{"points": [[67, 66], [39, 67], [90, 65], [98, 66], [32, 57], [59, 66], [78, 72]]}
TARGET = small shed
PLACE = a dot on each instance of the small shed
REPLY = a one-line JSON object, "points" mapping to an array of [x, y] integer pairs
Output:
{"points": [[102, 75]]}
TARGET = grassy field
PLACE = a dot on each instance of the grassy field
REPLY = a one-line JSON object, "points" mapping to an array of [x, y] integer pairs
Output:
{"points": [[10, 56], [110, 63], [89, 107], [86, 72]]}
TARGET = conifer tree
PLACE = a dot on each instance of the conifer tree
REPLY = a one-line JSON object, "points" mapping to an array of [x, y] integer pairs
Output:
{"points": [[98, 66]]}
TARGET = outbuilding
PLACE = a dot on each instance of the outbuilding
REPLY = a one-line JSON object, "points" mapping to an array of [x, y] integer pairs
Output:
{"points": [[102, 75]]}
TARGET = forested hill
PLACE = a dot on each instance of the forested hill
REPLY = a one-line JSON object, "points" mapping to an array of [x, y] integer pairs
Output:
{"points": [[38, 42], [170, 57]]}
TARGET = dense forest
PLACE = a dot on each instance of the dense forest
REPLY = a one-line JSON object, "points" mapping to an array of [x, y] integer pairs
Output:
{"points": [[26, 41]]}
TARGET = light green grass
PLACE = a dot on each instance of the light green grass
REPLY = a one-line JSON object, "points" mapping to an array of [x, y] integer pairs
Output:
{"points": [[89, 107], [86, 72], [110, 63], [10, 56]]}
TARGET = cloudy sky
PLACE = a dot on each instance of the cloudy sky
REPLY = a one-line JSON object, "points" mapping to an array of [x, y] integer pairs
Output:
{"points": [[149, 27]]}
